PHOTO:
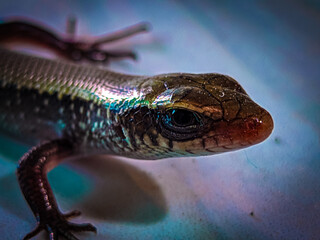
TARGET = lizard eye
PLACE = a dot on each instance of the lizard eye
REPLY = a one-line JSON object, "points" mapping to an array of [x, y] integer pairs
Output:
{"points": [[181, 121], [182, 118]]}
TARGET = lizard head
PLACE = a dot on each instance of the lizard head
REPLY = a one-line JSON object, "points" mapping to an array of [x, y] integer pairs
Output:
{"points": [[201, 114]]}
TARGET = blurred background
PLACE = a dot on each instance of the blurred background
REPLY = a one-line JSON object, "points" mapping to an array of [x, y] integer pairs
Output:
{"points": [[268, 191]]}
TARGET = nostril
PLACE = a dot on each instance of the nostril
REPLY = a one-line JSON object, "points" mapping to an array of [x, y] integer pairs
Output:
{"points": [[252, 124]]}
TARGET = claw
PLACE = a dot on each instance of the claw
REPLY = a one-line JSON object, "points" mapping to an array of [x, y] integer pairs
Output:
{"points": [[72, 214], [83, 227], [33, 233], [124, 33]]}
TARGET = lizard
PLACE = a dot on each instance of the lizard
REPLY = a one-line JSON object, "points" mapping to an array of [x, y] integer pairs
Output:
{"points": [[62, 109]]}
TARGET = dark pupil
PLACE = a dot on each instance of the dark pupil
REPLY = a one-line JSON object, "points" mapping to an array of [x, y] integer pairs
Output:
{"points": [[182, 117]]}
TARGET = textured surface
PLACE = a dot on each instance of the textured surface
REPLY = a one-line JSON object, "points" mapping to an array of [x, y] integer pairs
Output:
{"points": [[269, 191]]}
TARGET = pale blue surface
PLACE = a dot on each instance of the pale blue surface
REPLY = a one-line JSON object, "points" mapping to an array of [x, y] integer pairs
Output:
{"points": [[273, 50]]}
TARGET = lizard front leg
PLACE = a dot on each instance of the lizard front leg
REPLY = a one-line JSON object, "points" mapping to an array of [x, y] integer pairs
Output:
{"points": [[32, 175]]}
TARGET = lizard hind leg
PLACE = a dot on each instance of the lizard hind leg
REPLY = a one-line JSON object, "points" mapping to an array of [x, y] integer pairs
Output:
{"points": [[32, 176], [66, 45]]}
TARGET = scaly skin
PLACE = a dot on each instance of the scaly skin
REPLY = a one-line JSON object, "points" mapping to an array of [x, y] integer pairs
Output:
{"points": [[120, 114], [67, 109]]}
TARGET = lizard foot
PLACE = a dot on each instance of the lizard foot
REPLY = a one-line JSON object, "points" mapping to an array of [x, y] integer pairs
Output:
{"points": [[91, 51], [78, 51], [58, 225]]}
